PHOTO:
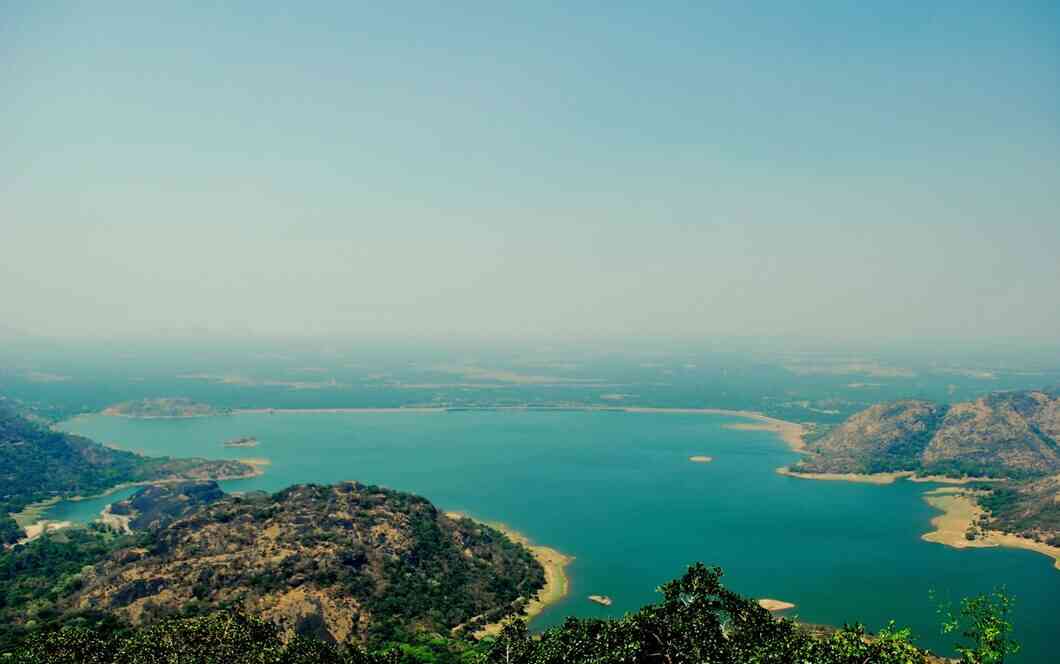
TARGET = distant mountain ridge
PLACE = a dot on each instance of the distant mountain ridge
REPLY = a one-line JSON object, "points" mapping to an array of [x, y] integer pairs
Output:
{"points": [[1011, 435]]}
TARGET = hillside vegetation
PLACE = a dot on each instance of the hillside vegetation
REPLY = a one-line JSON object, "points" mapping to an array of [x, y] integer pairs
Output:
{"points": [[37, 463], [344, 563], [1011, 436], [1004, 435], [698, 620]]}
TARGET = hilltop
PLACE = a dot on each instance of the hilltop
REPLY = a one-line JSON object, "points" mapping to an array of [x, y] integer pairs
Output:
{"points": [[348, 562], [1009, 435]]}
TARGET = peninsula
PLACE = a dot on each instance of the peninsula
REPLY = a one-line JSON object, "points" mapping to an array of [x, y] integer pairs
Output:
{"points": [[1002, 447], [346, 563], [555, 587], [42, 466]]}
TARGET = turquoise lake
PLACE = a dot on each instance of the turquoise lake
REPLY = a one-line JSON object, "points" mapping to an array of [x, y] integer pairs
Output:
{"points": [[616, 490]]}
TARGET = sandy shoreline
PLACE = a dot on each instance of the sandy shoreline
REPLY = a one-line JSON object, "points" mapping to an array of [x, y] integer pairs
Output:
{"points": [[875, 478], [883, 478], [790, 432], [35, 530], [960, 512], [775, 604], [557, 585]]}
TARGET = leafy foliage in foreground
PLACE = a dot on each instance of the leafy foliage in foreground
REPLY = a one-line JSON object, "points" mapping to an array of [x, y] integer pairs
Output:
{"points": [[35, 575], [698, 621]]}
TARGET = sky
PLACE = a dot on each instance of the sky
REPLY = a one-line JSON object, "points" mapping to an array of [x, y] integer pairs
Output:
{"points": [[875, 170]]}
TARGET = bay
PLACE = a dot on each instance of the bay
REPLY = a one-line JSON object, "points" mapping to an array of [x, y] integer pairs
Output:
{"points": [[617, 491]]}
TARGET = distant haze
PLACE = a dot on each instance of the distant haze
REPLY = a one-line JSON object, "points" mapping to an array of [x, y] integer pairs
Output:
{"points": [[848, 171]]}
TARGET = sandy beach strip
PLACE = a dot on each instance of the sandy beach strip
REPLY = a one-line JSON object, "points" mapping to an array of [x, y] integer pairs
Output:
{"points": [[557, 585], [35, 530], [884, 478], [775, 604], [874, 478], [960, 512], [790, 432]]}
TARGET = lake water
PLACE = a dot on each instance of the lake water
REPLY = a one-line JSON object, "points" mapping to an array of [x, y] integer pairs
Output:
{"points": [[616, 490]]}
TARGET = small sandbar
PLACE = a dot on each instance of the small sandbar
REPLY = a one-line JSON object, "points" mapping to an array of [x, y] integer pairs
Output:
{"points": [[699, 458], [557, 585], [961, 513], [775, 604]]}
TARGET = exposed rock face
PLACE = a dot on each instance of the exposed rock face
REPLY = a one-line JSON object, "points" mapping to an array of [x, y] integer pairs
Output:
{"points": [[1007, 434], [158, 506], [1010, 435], [885, 437], [344, 562]]}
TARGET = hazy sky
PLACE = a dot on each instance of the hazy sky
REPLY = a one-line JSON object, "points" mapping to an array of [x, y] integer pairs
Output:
{"points": [[828, 169]]}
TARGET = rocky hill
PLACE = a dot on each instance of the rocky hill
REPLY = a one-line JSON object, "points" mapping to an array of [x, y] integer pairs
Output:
{"points": [[345, 563], [157, 506], [1003, 435]]}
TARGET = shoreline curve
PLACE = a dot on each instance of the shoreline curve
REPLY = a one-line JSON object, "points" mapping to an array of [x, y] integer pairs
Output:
{"points": [[557, 583]]}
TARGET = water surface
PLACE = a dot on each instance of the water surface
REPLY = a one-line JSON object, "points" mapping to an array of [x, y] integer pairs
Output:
{"points": [[616, 490]]}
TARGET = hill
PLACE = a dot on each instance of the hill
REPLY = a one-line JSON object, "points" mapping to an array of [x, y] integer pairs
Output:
{"points": [[345, 562], [1009, 435], [157, 506], [37, 463]]}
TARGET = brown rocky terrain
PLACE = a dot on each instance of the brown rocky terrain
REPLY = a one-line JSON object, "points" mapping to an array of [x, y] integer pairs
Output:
{"points": [[346, 563], [1004, 435], [157, 506], [1007, 436]]}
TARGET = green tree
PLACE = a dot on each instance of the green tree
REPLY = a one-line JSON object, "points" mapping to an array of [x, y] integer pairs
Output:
{"points": [[984, 620]]}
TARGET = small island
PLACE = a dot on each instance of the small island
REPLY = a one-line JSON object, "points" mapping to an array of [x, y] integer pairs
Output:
{"points": [[243, 441], [167, 407], [699, 458], [602, 600]]}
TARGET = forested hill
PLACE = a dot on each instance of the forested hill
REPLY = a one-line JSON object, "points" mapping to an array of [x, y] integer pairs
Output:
{"points": [[37, 463], [1004, 435], [344, 562]]}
